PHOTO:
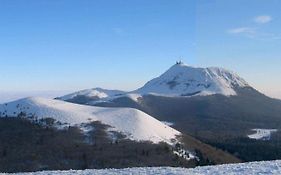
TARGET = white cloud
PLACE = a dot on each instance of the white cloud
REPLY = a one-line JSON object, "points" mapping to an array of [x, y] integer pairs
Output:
{"points": [[246, 31], [263, 19], [242, 30], [254, 33]]}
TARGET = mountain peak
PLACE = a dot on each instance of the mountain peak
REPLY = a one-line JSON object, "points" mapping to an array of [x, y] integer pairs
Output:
{"points": [[180, 62], [179, 65], [185, 80]]}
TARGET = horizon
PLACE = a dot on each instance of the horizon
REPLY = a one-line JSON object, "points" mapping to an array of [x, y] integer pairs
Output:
{"points": [[52, 48]]}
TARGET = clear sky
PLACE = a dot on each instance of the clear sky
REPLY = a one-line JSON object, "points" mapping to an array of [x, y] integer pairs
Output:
{"points": [[59, 46]]}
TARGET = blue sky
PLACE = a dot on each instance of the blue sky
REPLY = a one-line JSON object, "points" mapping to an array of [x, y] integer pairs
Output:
{"points": [[244, 36], [66, 45]]}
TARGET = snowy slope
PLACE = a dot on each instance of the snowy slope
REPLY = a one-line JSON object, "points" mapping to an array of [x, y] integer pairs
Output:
{"points": [[254, 168], [131, 122], [183, 80], [93, 93]]}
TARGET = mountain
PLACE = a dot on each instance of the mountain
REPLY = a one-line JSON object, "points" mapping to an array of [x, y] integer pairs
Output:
{"points": [[183, 80], [179, 81], [208, 103]]}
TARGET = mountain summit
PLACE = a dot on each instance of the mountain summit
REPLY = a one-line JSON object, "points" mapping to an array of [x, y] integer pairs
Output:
{"points": [[184, 80]]}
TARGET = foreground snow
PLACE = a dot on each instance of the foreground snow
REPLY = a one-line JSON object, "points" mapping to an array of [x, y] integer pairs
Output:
{"points": [[262, 134], [136, 125], [254, 168]]}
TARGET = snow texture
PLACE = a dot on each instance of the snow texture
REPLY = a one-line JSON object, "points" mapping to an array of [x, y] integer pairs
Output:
{"points": [[136, 125], [262, 134], [253, 168]]}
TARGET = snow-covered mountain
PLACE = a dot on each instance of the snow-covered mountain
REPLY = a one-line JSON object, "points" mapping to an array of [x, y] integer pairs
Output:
{"points": [[136, 125], [184, 80], [179, 80]]}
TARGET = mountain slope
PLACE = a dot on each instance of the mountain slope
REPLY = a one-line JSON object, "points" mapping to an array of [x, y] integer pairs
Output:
{"points": [[131, 122]]}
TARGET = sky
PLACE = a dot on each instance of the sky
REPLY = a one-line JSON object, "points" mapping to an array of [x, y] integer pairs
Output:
{"points": [[52, 47]]}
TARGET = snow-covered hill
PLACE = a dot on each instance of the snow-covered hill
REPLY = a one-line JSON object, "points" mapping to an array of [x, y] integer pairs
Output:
{"points": [[133, 123], [97, 93], [253, 168], [183, 80]]}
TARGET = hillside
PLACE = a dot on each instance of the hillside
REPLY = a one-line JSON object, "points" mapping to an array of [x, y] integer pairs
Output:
{"points": [[133, 123], [31, 146]]}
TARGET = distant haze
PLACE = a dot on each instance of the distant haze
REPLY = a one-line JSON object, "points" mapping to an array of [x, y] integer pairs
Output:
{"points": [[11, 96]]}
